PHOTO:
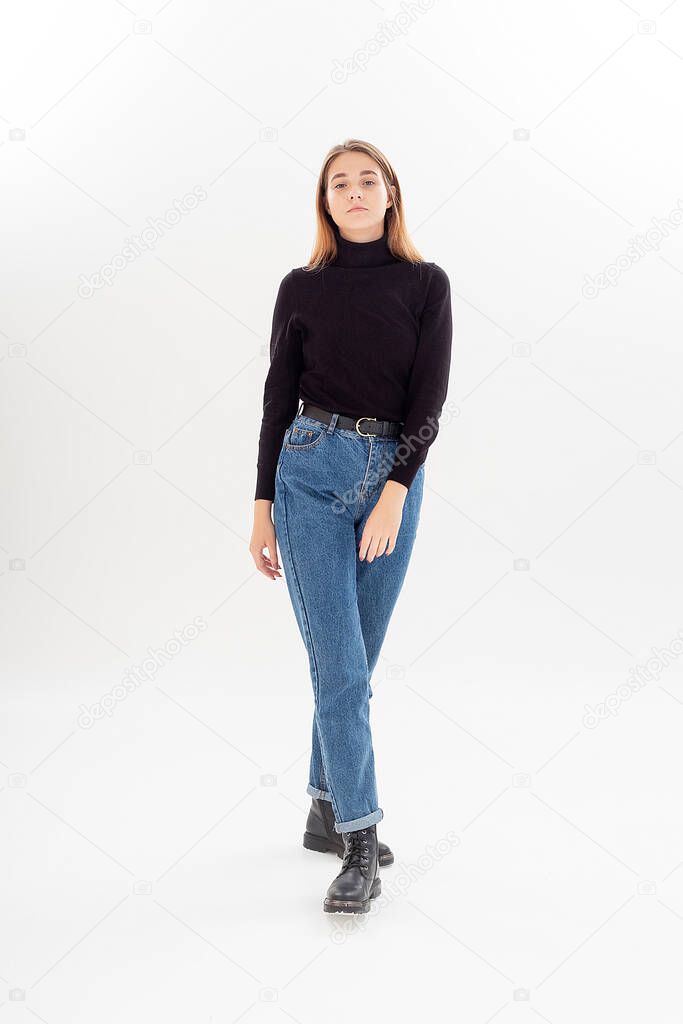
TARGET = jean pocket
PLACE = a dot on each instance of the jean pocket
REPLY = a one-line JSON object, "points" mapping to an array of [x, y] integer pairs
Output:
{"points": [[302, 437]]}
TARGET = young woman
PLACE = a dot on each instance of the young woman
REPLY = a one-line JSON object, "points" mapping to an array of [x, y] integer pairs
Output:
{"points": [[362, 335]]}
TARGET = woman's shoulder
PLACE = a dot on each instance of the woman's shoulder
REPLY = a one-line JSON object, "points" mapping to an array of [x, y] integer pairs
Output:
{"points": [[428, 274], [436, 283], [437, 275], [293, 279]]}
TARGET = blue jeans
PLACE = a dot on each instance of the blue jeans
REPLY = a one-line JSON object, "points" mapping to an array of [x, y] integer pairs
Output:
{"points": [[327, 482]]}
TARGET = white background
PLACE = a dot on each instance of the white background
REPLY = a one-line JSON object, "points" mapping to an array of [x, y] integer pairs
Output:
{"points": [[154, 861]]}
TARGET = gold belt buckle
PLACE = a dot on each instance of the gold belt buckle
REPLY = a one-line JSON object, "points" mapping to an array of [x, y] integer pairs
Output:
{"points": [[365, 418]]}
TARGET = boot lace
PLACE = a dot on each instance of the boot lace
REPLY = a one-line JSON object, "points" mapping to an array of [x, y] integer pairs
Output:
{"points": [[356, 853]]}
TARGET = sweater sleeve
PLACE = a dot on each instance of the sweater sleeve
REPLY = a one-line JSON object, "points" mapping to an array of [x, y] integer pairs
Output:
{"points": [[281, 388], [428, 380]]}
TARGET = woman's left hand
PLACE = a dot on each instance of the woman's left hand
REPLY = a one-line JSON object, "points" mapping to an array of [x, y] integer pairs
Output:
{"points": [[383, 523]]}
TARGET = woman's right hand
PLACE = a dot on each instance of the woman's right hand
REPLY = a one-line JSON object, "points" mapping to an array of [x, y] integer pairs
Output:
{"points": [[263, 536]]}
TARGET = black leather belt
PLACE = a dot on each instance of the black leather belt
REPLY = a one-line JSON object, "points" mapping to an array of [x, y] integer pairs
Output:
{"points": [[372, 427]]}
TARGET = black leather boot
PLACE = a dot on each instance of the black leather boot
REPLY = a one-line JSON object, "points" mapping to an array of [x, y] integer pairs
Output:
{"points": [[320, 833], [358, 881]]}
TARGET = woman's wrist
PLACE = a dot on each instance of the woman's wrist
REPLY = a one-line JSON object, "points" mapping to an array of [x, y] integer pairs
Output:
{"points": [[394, 491]]}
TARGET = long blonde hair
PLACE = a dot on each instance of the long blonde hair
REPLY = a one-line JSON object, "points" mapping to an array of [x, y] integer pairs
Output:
{"points": [[398, 240]]}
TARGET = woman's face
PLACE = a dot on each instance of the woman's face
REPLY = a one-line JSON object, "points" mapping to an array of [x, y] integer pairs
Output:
{"points": [[356, 195]]}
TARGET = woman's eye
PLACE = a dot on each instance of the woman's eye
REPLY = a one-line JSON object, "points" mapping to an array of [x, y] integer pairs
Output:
{"points": [[369, 181]]}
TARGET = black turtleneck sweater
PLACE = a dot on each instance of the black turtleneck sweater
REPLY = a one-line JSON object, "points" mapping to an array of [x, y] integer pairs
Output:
{"points": [[368, 335]]}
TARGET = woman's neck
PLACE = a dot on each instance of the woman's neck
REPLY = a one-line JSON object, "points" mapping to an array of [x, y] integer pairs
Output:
{"points": [[362, 254]]}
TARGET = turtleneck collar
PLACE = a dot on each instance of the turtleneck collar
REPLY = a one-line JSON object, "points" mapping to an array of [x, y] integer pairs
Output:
{"points": [[362, 254]]}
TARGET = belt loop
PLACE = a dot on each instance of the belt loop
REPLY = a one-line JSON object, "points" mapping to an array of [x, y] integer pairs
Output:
{"points": [[333, 422]]}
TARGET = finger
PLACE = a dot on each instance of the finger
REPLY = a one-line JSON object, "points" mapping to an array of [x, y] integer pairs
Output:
{"points": [[366, 545], [382, 545], [373, 549], [272, 551], [268, 569]]}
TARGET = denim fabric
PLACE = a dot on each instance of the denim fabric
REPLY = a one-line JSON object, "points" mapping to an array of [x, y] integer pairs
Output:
{"points": [[327, 482]]}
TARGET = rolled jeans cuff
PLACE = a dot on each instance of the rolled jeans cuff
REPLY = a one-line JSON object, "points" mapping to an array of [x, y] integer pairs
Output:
{"points": [[347, 826], [364, 822], [319, 794]]}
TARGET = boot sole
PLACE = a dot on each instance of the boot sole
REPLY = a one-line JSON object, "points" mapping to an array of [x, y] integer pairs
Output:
{"points": [[353, 906], [322, 845]]}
